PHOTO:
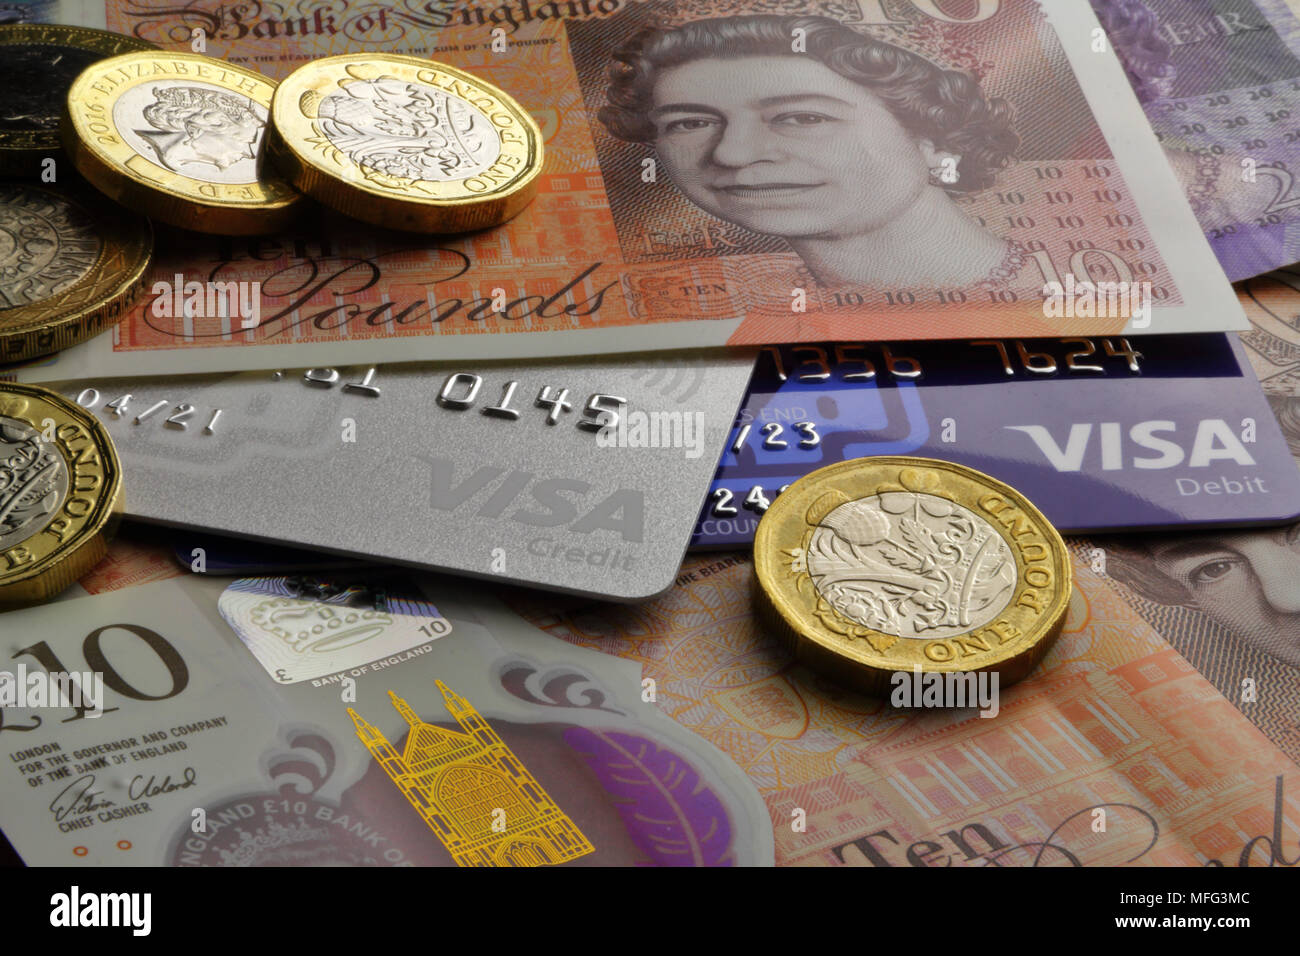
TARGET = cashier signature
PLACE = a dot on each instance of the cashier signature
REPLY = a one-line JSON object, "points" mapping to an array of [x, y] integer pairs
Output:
{"points": [[78, 797], [151, 788]]}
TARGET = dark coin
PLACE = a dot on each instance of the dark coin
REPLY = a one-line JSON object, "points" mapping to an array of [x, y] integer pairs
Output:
{"points": [[39, 63]]}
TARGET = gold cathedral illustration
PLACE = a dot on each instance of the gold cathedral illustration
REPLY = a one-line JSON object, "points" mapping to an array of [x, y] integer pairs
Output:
{"points": [[472, 791]]}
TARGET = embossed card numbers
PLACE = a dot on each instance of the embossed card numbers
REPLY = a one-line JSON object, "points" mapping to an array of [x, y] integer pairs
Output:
{"points": [[498, 471]]}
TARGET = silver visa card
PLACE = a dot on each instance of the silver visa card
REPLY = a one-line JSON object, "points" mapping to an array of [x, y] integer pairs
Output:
{"points": [[579, 476]]}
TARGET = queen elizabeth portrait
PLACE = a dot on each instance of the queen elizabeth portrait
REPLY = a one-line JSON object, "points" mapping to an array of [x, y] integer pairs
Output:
{"points": [[849, 148], [203, 133]]}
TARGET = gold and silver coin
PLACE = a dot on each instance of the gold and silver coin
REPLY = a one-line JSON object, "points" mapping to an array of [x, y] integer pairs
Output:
{"points": [[179, 137], [60, 493], [873, 566], [405, 143], [39, 63], [71, 264]]}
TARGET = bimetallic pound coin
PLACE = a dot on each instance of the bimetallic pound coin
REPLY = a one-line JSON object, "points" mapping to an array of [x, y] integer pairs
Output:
{"points": [[405, 143], [60, 493], [179, 137], [71, 264], [875, 566], [39, 63]]}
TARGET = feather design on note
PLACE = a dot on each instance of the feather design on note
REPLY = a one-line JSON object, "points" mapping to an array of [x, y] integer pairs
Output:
{"points": [[671, 814], [557, 687]]}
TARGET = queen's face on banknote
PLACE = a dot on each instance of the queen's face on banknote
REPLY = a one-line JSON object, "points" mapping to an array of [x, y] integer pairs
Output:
{"points": [[849, 148], [1248, 583]]}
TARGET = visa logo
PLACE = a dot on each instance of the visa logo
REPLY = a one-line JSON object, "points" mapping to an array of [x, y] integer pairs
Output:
{"points": [[1213, 441], [554, 501]]}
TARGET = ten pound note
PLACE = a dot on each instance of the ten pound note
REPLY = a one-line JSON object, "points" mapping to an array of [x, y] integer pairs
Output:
{"points": [[301, 721], [740, 172], [1136, 740]]}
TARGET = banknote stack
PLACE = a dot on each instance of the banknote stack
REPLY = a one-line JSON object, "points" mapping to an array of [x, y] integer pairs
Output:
{"points": [[650, 432]]}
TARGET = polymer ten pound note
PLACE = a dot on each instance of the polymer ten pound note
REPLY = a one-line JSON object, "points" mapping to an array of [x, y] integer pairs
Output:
{"points": [[715, 173], [1119, 722], [146, 728]]}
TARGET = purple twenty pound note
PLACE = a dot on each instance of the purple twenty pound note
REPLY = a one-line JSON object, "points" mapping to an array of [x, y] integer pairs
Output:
{"points": [[1220, 83]]}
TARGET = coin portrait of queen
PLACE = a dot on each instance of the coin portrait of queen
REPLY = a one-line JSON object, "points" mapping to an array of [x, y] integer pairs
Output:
{"points": [[852, 150], [193, 125]]}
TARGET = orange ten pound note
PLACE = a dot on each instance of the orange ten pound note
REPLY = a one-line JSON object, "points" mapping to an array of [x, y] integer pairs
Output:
{"points": [[716, 172]]}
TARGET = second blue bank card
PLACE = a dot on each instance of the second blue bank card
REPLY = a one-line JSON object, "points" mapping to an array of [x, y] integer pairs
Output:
{"points": [[1102, 434]]}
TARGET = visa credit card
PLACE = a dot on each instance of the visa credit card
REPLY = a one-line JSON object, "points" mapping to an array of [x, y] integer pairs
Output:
{"points": [[1102, 434], [511, 471]]}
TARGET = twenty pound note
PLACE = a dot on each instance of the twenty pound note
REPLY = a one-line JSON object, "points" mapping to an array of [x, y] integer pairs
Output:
{"points": [[1220, 83], [740, 172]]}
